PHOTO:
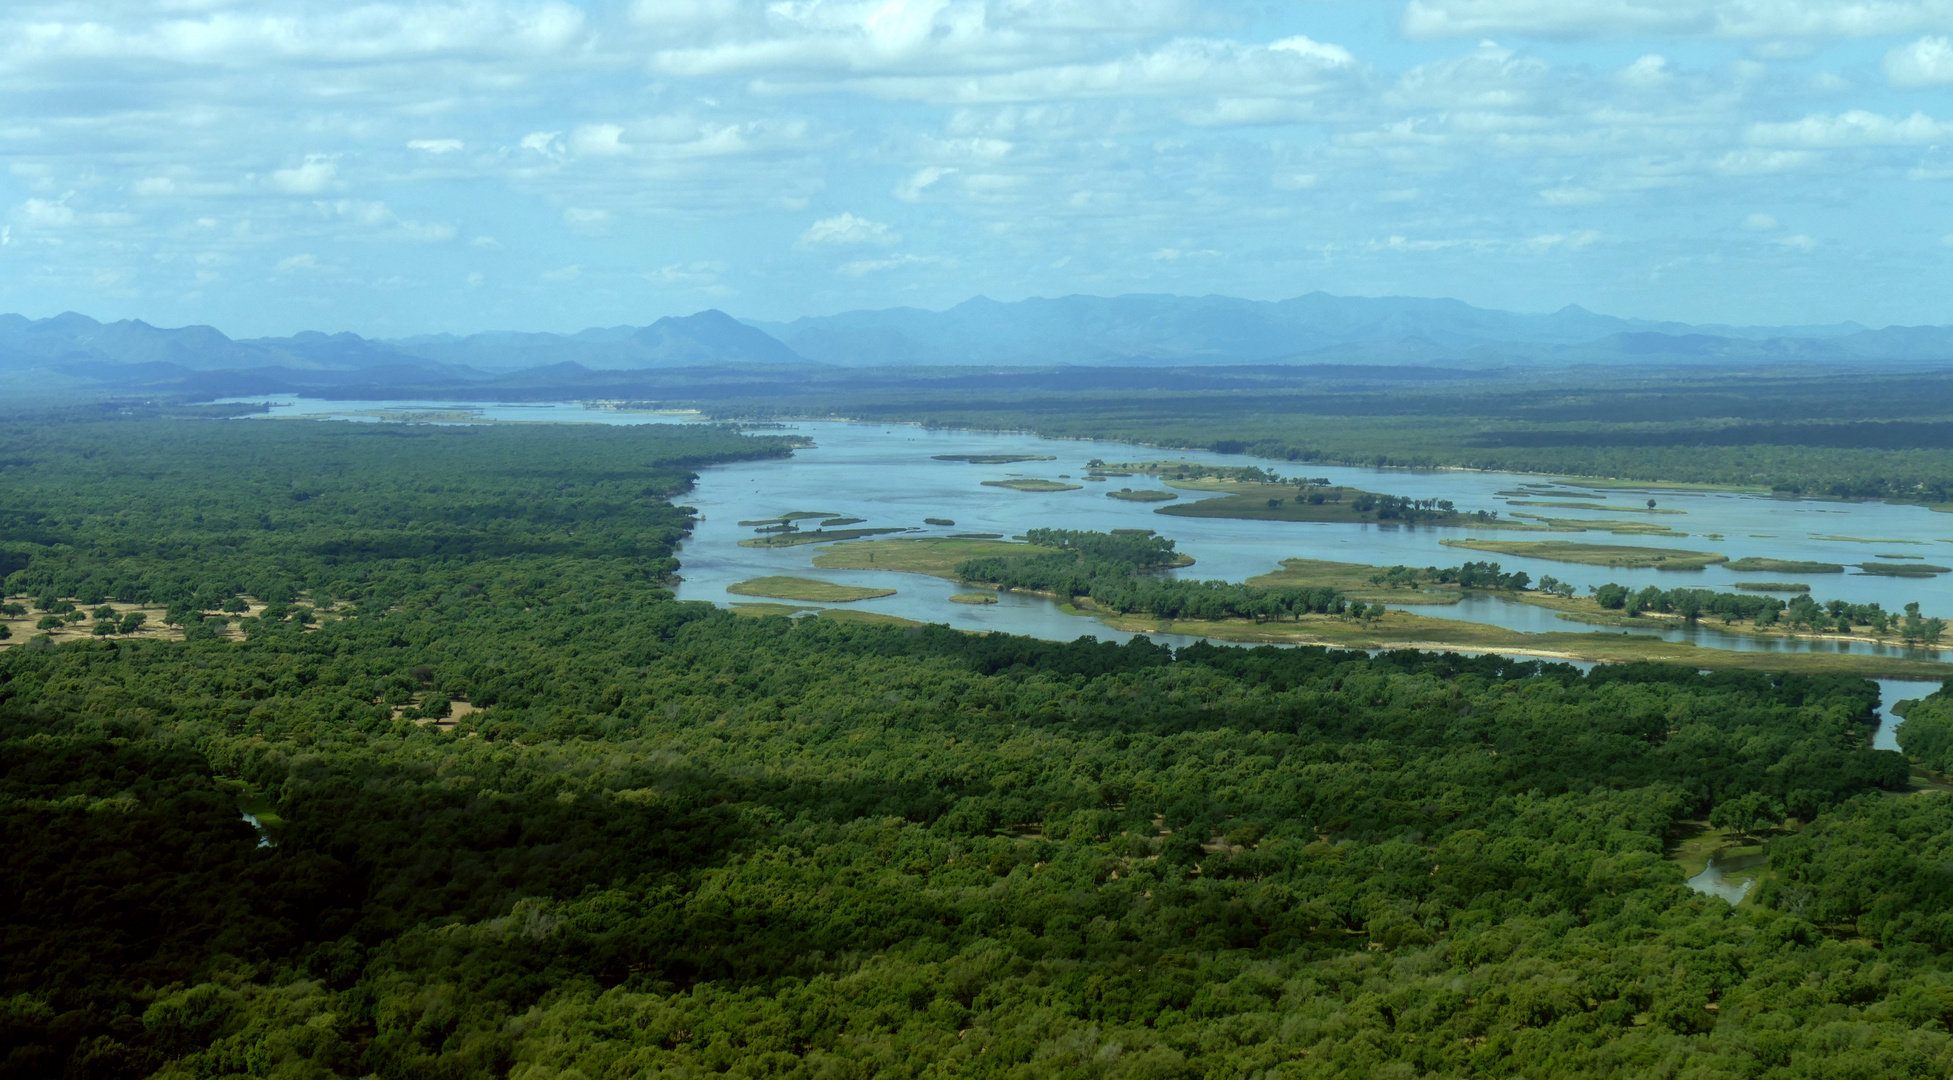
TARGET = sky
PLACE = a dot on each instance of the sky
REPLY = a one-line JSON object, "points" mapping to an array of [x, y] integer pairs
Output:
{"points": [[402, 167]]}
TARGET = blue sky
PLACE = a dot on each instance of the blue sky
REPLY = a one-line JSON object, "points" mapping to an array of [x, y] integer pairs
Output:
{"points": [[400, 167]]}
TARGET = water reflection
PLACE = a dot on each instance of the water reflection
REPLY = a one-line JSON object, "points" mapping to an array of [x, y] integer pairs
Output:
{"points": [[1730, 879]]}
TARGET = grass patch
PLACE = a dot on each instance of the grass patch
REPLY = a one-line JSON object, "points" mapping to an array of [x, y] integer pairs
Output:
{"points": [[1353, 579], [809, 589], [795, 539], [835, 523], [1773, 586], [845, 615], [1598, 506], [974, 598], [796, 515], [976, 536], [1406, 630], [937, 558], [1885, 555], [1902, 569], [1142, 495], [1752, 564], [993, 459], [761, 610], [1573, 551], [1025, 484], [1865, 540], [1645, 528], [938, 521]]}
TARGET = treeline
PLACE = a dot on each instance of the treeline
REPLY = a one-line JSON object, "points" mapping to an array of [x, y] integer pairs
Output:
{"points": [[1471, 575], [1799, 613], [674, 841], [1113, 571]]}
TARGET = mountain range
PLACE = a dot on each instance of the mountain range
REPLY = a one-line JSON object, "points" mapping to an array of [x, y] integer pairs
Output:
{"points": [[73, 353]]}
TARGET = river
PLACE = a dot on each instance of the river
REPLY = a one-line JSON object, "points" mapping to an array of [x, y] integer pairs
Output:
{"points": [[892, 476]]}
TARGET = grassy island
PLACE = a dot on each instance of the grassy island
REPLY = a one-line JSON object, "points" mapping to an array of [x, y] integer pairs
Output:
{"points": [[818, 536], [808, 589], [1903, 569], [974, 598], [1025, 484], [1142, 495], [1753, 564], [1620, 555], [993, 459], [937, 558]]}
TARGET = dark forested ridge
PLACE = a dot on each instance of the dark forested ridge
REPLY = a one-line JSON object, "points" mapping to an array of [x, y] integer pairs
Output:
{"points": [[676, 842]]}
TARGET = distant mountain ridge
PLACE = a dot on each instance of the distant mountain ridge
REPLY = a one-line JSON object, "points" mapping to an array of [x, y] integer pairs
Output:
{"points": [[74, 353], [1165, 329]]}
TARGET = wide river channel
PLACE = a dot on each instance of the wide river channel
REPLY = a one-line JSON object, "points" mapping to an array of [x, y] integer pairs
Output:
{"points": [[894, 476]]}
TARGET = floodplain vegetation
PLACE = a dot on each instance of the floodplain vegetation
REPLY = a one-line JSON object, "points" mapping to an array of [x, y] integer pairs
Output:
{"points": [[813, 590], [666, 840]]}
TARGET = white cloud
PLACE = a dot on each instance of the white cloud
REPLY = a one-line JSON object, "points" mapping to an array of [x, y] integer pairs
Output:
{"points": [[154, 187], [1741, 19], [585, 219], [1650, 70], [664, 14], [1759, 223], [598, 140], [869, 266], [1855, 128], [845, 228], [1169, 254], [1572, 241], [542, 142], [1292, 67], [364, 33], [1759, 162], [296, 264], [912, 187], [308, 179], [45, 213], [1799, 242], [1570, 196], [566, 273], [1926, 62], [436, 146]]}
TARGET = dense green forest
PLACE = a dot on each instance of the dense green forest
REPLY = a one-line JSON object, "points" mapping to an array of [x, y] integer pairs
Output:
{"points": [[667, 841]]}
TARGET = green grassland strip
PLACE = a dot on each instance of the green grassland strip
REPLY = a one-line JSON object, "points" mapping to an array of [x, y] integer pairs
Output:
{"points": [[937, 558], [1405, 630], [1596, 506], [1595, 554], [1752, 564], [974, 598], [1353, 580], [808, 589], [795, 539], [1624, 528], [1026, 484]]}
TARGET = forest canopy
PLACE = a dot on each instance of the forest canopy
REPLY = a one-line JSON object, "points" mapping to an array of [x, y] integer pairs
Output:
{"points": [[664, 840]]}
